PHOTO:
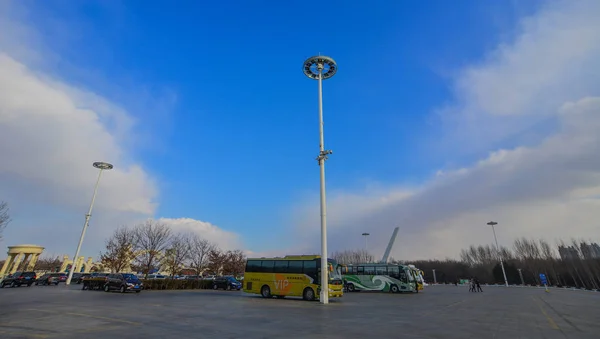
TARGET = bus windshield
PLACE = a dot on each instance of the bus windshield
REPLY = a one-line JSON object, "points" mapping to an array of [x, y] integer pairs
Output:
{"points": [[335, 271]]}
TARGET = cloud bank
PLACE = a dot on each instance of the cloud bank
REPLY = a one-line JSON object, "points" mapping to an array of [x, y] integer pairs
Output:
{"points": [[539, 94]]}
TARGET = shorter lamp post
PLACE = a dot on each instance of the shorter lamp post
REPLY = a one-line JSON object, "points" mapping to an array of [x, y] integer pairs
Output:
{"points": [[521, 275], [366, 235], [493, 223], [101, 166]]}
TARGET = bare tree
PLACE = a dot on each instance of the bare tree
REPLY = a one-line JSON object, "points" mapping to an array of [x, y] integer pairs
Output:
{"points": [[200, 249], [177, 253], [48, 264], [352, 257], [119, 250], [151, 241], [234, 263], [4, 216], [217, 260]]}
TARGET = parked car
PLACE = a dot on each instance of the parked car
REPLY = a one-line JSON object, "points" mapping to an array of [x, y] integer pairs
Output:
{"points": [[156, 276], [48, 279], [19, 278], [123, 282], [78, 277], [227, 283]]}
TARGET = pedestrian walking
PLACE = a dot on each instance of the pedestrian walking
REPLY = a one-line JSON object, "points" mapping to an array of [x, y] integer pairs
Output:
{"points": [[478, 286]]}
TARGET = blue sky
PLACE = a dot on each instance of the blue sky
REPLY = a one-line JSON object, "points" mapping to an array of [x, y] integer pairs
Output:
{"points": [[225, 121]]}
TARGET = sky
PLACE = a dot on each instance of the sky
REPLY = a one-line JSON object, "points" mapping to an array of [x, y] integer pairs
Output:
{"points": [[442, 116]]}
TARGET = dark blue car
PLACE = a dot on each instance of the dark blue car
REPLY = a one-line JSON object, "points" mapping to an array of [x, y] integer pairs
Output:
{"points": [[227, 283]]}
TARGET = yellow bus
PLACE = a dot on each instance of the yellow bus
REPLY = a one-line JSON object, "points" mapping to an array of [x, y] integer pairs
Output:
{"points": [[292, 275], [419, 274]]}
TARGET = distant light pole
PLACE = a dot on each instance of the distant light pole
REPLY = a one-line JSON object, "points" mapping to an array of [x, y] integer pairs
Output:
{"points": [[434, 277], [521, 275], [493, 223], [101, 166], [321, 68], [366, 235]]}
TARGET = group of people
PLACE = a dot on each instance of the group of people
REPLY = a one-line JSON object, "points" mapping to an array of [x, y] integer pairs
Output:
{"points": [[474, 285]]}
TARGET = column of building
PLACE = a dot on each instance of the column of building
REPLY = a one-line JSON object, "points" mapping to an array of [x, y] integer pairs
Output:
{"points": [[7, 263], [33, 261], [17, 262], [65, 263], [88, 265]]}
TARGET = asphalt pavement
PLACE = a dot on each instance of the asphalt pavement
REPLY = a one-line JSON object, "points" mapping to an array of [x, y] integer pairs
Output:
{"points": [[438, 312]]}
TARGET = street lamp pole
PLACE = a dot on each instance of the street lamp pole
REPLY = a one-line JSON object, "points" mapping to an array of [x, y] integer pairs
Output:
{"points": [[434, 277], [321, 68], [101, 166], [521, 275], [366, 244], [493, 223]]}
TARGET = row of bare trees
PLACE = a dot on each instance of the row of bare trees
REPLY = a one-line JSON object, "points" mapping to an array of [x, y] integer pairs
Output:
{"points": [[349, 256], [576, 264], [152, 246]]}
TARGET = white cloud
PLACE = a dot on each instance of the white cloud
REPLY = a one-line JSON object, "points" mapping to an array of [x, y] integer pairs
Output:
{"points": [[546, 188], [51, 138], [224, 239], [553, 59]]}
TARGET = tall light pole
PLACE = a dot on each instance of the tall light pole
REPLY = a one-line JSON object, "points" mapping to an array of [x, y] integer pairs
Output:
{"points": [[434, 277], [493, 223], [366, 244], [321, 68], [101, 166]]}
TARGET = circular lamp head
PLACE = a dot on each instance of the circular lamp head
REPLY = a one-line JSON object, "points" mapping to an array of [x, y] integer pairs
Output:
{"points": [[365, 234], [103, 165], [492, 223], [324, 64]]}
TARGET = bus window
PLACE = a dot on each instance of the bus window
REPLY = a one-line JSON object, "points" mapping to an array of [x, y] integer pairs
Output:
{"points": [[267, 266], [360, 270], [369, 270], [381, 270], [253, 266], [393, 271], [295, 266], [310, 268], [281, 266]]}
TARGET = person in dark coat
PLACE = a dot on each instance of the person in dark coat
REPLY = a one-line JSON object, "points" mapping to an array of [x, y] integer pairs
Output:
{"points": [[478, 286]]}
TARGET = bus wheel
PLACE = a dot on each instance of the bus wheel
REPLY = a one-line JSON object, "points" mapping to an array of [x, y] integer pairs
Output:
{"points": [[265, 291], [394, 289], [308, 294], [350, 287]]}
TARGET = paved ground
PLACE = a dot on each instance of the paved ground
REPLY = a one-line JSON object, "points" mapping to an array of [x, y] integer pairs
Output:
{"points": [[438, 312]]}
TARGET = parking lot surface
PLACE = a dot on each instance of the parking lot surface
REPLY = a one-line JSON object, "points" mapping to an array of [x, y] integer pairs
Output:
{"points": [[437, 312]]}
